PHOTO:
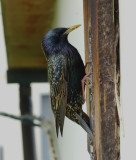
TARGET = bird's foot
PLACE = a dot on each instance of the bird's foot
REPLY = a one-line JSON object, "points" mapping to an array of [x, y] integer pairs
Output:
{"points": [[84, 82], [87, 63], [88, 84]]}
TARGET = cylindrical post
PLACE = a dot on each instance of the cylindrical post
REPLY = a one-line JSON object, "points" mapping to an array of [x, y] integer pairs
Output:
{"points": [[27, 130]]}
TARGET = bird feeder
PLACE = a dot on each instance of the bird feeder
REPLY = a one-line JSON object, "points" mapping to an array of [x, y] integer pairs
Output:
{"points": [[25, 23]]}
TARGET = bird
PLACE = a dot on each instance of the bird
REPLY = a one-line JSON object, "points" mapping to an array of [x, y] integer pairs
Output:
{"points": [[65, 73]]}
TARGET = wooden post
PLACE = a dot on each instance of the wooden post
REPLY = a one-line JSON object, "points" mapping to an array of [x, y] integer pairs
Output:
{"points": [[27, 130], [101, 19]]}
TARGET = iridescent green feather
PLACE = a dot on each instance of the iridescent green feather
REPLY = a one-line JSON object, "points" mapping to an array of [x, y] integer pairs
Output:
{"points": [[58, 89]]}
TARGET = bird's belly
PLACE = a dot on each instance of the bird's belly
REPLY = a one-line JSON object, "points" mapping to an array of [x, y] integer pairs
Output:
{"points": [[74, 97], [74, 102]]}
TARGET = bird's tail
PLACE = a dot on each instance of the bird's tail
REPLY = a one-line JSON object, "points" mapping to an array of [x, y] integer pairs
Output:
{"points": [[84, 122], [57, 125], [87, 120], [60, 122]]}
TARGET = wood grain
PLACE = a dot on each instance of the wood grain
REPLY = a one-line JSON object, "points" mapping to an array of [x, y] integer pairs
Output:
{"points": [[101, 36]]}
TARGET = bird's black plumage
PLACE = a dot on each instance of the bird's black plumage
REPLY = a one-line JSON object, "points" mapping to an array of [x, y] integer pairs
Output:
{"points": [[65, 72]]}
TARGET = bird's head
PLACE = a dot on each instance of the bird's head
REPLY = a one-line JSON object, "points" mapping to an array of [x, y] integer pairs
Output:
{"points": [[56, 38]]}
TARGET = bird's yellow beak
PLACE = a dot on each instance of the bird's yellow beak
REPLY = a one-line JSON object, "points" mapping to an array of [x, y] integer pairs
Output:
{"points": [[72, 28]]}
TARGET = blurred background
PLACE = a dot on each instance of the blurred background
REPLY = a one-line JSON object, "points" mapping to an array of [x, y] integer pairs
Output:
{"points": [[22, 62]]}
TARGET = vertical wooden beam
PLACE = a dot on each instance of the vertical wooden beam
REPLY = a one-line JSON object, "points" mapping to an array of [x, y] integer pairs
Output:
{"points": [[27, 130], [100, 34], [87, 46]]}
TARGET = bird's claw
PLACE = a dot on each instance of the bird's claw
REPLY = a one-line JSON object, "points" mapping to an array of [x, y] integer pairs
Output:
{"points": [[88, 84], [84, 82]]}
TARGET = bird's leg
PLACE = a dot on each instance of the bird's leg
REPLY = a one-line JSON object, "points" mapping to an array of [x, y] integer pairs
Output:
{"points": [[84, 80], [87, 63]]}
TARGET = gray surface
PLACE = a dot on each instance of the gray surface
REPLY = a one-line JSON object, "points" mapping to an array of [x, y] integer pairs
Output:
{"points": [[1, 153], [46, 113]]}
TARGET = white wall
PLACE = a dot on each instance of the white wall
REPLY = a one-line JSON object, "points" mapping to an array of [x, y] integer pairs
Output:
{"points": [[128, 76]]}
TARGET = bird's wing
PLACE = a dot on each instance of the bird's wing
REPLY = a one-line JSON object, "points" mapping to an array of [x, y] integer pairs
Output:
{"points": [[58, 77]]}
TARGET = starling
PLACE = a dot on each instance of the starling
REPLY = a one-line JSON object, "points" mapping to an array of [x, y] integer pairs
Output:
{"points": [[65, 72]]}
